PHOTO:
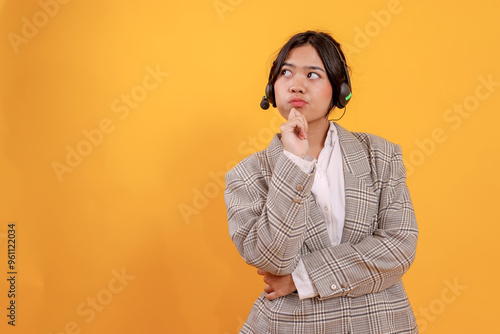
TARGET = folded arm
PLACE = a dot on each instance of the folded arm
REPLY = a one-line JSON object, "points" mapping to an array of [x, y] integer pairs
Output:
{"points": [[267, 219]]}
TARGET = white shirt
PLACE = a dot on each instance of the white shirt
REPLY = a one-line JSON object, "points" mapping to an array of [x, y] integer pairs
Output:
{"points": [[328, 191]]}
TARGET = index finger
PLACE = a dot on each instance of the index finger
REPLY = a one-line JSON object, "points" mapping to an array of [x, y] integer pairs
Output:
{"points": [[293, 113]]}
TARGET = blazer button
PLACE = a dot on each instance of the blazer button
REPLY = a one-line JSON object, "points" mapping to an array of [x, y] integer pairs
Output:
{"points": [[333, 287], [296, 200], [299, 187], [345, 285]]}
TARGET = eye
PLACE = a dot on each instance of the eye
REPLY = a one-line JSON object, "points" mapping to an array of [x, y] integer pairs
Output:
{"points": [[313, 75], [286, 73]]}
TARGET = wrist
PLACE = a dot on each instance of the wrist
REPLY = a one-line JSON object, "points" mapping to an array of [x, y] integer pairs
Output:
{"points": [[298, 154]]}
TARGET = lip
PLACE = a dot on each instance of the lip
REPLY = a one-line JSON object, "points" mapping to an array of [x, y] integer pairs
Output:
{"points": [[297, 102]]}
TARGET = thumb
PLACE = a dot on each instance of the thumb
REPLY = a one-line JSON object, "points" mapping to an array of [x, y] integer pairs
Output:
{"points": [[261, 272]]}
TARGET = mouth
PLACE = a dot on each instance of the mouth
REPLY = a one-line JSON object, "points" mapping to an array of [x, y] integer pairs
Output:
{"points": [[297, 102]]}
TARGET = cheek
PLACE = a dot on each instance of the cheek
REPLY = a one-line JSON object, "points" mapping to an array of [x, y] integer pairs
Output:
{"points": [[322, 97], [278, 90], [325, 92]]}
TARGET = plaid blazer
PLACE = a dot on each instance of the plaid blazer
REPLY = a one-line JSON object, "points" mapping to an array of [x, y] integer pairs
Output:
{"points": [[274, 221]]}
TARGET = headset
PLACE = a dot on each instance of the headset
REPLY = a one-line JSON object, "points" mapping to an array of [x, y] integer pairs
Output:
{"points": [[344, 94]]}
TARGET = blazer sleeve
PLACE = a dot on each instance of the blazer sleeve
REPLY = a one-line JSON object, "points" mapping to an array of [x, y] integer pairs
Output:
{"points": [[379, 260], [267, 211]]}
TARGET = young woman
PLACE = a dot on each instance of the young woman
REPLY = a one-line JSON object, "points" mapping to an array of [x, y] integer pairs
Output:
{"points": [[324, 214]]}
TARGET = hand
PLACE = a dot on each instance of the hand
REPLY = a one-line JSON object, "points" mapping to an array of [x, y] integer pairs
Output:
{"points": [[277, 286], [294, 134]]}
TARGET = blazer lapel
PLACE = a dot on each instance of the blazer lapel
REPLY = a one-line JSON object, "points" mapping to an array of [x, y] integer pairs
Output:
{"points": [[361, 201]]}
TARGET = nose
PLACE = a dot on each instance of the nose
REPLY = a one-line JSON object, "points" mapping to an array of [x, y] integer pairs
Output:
{"points": [[297, 86]]}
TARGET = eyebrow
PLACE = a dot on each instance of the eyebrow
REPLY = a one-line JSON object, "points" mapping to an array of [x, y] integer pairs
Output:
{"points": [[306, 67]]}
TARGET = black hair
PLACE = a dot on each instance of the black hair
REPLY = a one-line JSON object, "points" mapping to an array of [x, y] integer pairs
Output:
{"points": [[325, 46]]}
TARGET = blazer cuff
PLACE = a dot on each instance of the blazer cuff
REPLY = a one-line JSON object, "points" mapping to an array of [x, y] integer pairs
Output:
{"points": [[303, 282], [306, 165], [337, 282], [289, 182]]}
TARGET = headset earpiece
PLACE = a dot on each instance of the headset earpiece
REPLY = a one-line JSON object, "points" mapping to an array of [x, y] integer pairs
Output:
{"points": [[345, 92], [270, 94], [344, 95], [268, 98]]}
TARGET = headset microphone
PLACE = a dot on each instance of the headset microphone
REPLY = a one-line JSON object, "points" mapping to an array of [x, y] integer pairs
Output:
{"points": [[264, 104]]}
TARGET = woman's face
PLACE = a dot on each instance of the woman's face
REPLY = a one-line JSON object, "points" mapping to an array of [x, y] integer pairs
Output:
{"points": [[303, 84]]}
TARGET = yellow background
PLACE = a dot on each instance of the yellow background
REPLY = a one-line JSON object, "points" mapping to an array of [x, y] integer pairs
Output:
{"points": [[148, 196]]}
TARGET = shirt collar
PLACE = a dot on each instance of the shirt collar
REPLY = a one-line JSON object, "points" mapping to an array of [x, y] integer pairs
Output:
{"points": [[330, 136]]}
